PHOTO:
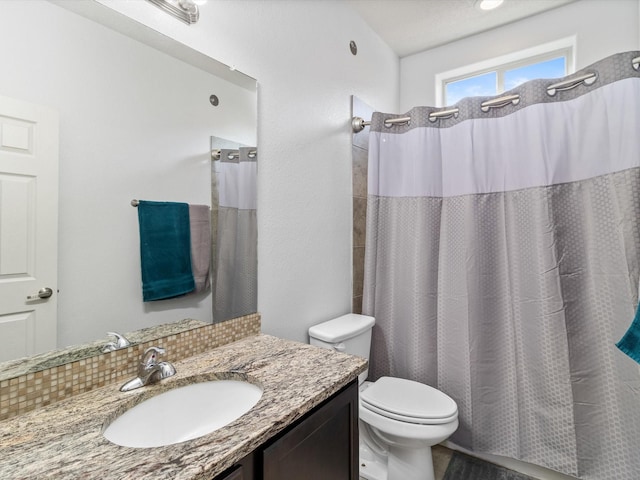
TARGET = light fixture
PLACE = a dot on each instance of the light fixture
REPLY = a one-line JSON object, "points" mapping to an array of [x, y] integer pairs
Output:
{"points": [[488, 4], [184, 10]]}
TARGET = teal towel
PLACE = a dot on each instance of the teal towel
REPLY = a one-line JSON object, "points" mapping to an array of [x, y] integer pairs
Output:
{"points": [[165, 250], [630, 342]]}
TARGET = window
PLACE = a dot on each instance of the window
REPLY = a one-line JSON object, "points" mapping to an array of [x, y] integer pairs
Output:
{"points": [[498, 75]]}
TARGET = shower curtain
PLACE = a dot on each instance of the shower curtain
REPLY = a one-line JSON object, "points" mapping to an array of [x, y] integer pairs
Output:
{"points": [[236, 260], [502, 263]]}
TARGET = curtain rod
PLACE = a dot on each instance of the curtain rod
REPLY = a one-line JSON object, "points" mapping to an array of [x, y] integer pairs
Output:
{"points": [[215, 154], [358, 124]]}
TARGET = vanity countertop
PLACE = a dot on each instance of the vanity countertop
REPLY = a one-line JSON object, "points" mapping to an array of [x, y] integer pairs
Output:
{"points": [[64, 440]]}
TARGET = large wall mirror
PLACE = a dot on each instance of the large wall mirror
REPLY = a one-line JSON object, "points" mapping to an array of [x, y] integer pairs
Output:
{"points": [[135, 117]]}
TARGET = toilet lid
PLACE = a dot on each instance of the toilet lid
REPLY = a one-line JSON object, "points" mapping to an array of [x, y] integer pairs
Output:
{"points": [[409, 401]]}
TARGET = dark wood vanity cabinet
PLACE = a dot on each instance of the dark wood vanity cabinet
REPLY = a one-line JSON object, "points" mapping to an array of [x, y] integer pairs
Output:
{"points": [[321, 445], [237, 472]]}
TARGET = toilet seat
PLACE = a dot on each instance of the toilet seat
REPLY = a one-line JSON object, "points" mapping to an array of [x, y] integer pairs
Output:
{"points": [[408, 401]]}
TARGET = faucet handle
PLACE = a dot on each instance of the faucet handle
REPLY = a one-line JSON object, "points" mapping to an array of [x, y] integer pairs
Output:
{"points": [[150, 356], [121, 341], [150, 370]]}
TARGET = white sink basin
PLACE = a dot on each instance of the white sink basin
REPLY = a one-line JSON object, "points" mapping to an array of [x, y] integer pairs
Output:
{"points": [[183, 413]]}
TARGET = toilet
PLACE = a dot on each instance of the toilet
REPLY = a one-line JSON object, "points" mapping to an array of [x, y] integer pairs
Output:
{"points": [[400, 420]]}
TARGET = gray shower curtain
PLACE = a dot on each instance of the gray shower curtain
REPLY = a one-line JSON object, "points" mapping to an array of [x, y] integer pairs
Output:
{"points": [[236, 259], [502, 263]]}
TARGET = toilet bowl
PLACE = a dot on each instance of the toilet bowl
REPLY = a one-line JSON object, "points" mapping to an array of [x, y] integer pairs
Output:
{"points": [[400, 420]]}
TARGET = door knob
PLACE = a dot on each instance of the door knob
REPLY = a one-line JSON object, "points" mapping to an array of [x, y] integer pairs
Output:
{"points": [[44, 292]]}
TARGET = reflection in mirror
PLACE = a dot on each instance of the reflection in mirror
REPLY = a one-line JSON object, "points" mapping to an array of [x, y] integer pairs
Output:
{"points": [[134, 122], [36, 363], [234, 227]]}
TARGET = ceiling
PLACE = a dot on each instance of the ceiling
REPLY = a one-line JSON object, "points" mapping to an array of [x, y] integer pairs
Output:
{"points": [[411, 26]]}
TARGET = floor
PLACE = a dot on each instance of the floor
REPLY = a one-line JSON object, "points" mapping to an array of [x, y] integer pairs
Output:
{"points": [[441, 458]]}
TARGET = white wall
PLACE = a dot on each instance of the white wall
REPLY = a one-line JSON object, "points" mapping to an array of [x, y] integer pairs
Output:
{"points": [[602, 28], [134, 123], [299, 52]]}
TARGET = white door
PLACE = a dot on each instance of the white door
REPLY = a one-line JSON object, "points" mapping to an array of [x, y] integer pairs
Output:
{"points": [[28, 228]]}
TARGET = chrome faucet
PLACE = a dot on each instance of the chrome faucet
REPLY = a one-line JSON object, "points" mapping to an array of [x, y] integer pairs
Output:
{"points": [[120, 342], [150, 370]]}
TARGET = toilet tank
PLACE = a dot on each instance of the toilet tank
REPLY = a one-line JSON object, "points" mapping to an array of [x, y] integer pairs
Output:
{"points": [[350, 333]]}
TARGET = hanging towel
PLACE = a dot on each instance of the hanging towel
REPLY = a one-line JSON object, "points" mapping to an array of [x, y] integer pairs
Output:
{"points": [[630, 341], [165, 250], [200, 219]]}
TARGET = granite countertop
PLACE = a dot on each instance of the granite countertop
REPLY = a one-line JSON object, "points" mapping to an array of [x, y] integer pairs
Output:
{"points": [[64, 440]]}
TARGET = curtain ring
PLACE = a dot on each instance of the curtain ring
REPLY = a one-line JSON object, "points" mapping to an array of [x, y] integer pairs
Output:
{"points": [[587, 79], [444, 114]]}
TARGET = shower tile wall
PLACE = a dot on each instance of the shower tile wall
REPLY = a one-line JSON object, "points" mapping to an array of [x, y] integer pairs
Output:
{"points": [[359, 153]]}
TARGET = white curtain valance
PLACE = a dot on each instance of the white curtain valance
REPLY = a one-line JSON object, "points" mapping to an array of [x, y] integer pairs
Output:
{"points": [[542, 140]]}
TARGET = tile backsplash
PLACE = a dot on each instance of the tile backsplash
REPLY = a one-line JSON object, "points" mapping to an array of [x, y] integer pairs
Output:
{"points": [[28, 392], [359, 152]]}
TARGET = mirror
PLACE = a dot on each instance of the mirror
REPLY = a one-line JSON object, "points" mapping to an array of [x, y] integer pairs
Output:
{"points": [[135, 121]]}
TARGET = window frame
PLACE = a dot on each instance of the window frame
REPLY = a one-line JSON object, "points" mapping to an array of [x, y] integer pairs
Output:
{"points": [[560, 48]]}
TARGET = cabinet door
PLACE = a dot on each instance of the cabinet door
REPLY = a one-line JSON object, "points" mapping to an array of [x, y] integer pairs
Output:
{"points": [[322, 446], [243, 470], [236, 473]]}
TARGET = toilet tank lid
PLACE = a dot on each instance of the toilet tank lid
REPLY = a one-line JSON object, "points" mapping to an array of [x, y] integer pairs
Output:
{"points": [[342, 328]]}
